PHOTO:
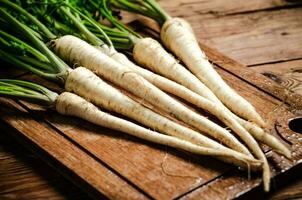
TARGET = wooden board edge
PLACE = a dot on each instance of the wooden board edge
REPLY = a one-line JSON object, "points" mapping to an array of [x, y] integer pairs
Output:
{"points": [[56, 165], [249, 188], [66, 164]]}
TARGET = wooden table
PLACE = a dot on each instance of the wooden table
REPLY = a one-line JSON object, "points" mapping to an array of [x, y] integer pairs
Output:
{"points": [[263, 35]]}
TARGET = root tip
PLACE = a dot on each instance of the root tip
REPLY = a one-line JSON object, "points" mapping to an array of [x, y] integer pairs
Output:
{"points": [[266, 177], [266, 187], [262, 123], [287, 154]]}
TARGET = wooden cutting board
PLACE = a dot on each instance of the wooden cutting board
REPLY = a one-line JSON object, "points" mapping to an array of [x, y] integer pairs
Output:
{"points": [[111, 164], [120, 166]]}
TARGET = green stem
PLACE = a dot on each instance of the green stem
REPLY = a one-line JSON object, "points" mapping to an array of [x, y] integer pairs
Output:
{"points": [[5, 26], [104, 28], [24, 90], [95, 25], [89, 36], [161, 11], [28, 48], [12, 59], [108, 14], [148, 11], [37, 64], [148, 8], [59, 27]]}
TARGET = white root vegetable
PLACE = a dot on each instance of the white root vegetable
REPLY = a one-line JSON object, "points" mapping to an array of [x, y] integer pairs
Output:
{"points": [[146, 56], [177, 35], [73, 105], [86, 84], [149, 53], [146, 49], [77, 51], [260, 135], [222, 113], [217, 111]]}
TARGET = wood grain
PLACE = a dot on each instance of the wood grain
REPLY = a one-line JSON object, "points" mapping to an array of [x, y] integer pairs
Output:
{"points": [[80, 163], [287, 74], [217, 8], [254, 38], [23, 175]]}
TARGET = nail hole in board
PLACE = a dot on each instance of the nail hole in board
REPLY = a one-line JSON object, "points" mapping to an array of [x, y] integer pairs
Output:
{"points": [[296, 125]]}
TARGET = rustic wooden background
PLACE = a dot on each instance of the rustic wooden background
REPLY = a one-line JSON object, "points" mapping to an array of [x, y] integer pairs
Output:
{"points": [[263, 35]]}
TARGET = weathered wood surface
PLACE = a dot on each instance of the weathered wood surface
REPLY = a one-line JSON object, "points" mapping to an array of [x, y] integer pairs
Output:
{"points": [[287, 74], [77, 161], [219, 8], [156, 171], [24, 176], [254, 38]]}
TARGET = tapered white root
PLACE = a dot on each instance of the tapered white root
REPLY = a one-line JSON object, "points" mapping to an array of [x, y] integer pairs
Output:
{"points": [[180, 91], [146, 48], [198, 99], [180, 39], [86, 84], [260, 135], [73, 105], [149, 53], [77, 51]]}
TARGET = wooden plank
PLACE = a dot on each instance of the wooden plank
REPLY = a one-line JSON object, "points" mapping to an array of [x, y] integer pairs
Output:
{"points": [[254, 38], [20, 165], [163, 173], [287, 74], [214, 8], [229, 186], [233, 185], [56, 146], [24, 176]]}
